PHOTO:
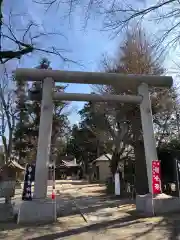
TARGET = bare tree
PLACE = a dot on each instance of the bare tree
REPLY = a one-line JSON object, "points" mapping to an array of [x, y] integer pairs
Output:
{"points": [[165, 110], [117, 15], [136, 56], [7, 114], [17, 41]]}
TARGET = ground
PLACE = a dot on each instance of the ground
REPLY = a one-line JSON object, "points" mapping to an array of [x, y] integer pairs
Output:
{"points": [[105, 218]]}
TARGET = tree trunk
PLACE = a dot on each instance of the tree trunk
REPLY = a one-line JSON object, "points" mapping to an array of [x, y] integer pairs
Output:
{"points": [[114, 167], [114, 162], [141, 179]]}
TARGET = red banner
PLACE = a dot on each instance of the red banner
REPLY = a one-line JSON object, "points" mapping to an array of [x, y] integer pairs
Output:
{"points": [[156, 177]]}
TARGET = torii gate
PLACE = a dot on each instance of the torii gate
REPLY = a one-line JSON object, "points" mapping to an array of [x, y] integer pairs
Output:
{"points": [[141, 83]]}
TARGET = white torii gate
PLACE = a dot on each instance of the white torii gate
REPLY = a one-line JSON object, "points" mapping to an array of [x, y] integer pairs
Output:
{"points": [[123, 82]]}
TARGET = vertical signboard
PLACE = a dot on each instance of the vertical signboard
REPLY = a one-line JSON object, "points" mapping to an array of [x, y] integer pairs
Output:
{"points": [[28, 179], [156, 177]]}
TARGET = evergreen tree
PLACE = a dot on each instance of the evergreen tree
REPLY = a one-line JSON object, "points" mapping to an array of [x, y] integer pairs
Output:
{"points": [[83, 143], [27, 125], [136, 55], [20, 134]]}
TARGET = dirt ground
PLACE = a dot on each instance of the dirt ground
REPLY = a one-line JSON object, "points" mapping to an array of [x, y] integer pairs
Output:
{"points": [[107, 218]]}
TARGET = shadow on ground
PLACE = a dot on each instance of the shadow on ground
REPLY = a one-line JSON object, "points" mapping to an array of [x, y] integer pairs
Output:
{"points": [[76, 182], [128, 225], [117, 223], [167, 230], [87, 204], [168, 222], [165, 227]]}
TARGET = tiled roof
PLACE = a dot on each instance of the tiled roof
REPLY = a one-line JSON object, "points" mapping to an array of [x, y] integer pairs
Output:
{"points": [[14, 164], [105, 157]]}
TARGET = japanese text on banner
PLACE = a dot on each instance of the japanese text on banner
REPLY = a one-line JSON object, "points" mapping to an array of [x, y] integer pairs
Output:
{"points": [[156, 178]]}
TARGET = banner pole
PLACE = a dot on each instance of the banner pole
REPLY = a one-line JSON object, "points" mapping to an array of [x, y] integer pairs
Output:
{"points": [[160, 174], [155, 169], [152, 188], [153, 213]]}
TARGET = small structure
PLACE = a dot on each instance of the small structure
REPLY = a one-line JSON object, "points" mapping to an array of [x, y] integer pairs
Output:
{"points": [[101, 168], [68, 167], [9, 173], [11, 170]]}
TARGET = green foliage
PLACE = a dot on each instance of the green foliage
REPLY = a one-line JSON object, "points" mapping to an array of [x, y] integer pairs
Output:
{"points": [[173, 145], [84, 144], [28, 118], [21, 131]]}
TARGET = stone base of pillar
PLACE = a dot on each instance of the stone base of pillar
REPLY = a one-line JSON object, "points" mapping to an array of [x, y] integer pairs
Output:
{"points": [[6, 212], [37, 211], [160, 204]]}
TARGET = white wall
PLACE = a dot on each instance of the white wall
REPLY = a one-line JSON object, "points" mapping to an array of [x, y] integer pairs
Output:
{"points": [[104, 170]]}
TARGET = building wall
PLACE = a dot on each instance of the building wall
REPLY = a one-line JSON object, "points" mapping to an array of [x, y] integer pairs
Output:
{"points": [[1, 148], [104, 170]]}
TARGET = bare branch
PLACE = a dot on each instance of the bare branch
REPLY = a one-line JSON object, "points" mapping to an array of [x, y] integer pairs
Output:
{"points": [[24, 41]]}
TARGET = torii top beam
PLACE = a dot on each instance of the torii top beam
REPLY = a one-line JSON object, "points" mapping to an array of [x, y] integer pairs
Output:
{"points": [[119, 80]]}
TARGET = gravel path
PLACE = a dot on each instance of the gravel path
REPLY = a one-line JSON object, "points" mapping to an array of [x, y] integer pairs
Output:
{"points": [[107, 219]]}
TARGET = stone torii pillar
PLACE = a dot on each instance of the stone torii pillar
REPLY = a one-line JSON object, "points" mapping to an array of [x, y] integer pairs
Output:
{"points": [[119, 81], [44, 140], [148, 131]]}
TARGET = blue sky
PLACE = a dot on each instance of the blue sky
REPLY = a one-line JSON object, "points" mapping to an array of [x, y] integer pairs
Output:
{"points": [[85, 47]]}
